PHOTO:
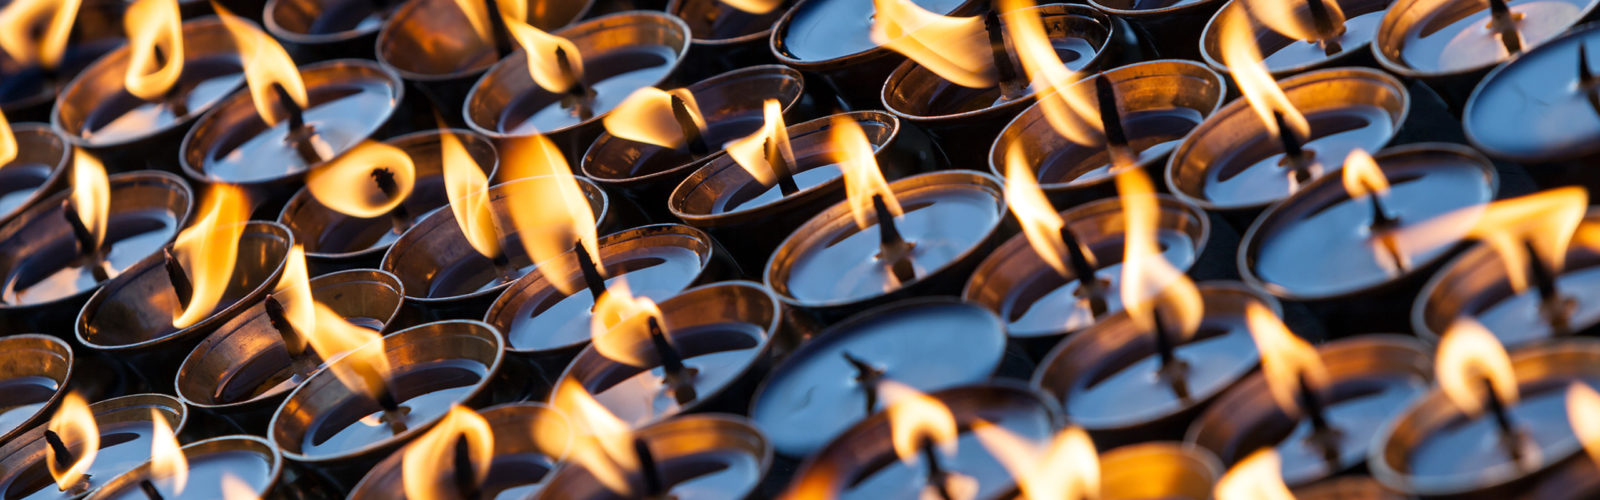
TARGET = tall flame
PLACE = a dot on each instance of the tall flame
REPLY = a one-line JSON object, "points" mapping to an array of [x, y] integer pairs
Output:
{"points": [[1583, 414], [1468, 356], [21, 20], [349, 184], [1257, 477], [862, 179], [1545, 221], [478, 16], [91, 194], [1243, 57], [914, 418], [1148, 280], [8, 141], [1362, 177], [1292, 18], [750, 151], [1071, 110], [553, 61], [550, 212], [153, 25], [294, 294], [425, 460], [955, 48], [1068, 469], [265, 65], [1286, 359], [208, 250], [646, 116], [754, 6], [467, 188], [1040, 222], [603, 444], [168, 466], [75, 424], [366, 368], [619, 326]]}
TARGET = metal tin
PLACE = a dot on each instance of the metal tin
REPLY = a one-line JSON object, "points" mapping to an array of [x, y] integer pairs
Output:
{"points": [[698, 442], [1158, 469], [725, 38], [1357, 53], [297, 23], [23, 456], [128, 483], [36, 144], [35, 357], [510, 424]]}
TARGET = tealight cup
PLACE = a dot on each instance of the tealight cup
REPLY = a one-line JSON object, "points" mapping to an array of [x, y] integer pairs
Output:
{"points": [[34, 373], [1535, 111], [1171, 26], [319, 30], [1285, 56], [519, 468], [725, 38], [253, 461], [125, 428], [1159, 469], [697, 457], [30, 91], [39, 170]]}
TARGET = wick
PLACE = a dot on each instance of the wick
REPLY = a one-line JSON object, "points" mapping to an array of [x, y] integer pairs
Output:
{"points": [[1382, 218], [678, 376], [1294, 153], [499, 35], [654, 487], [292, 341], [937, 477], [579, 96], [466, 481], [1327, 31], [1111, 118], [181, 286], [302, 136], [1323, 434], [1586, 78], [1173, 370], [1082, 264], [591, 271], [297, 118], [1502, 422], [780, 166], [87, 247], [1553, 306], [866, 375], [150, 491], [893, 248], [1504, 24], [63, 455], [691, 131], [400, 217], [1011, 87], [176, 104]]}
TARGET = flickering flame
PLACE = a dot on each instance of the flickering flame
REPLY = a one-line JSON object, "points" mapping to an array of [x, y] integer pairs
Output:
{"points": [[1243, 57], [349, 184], [1039, 220], [1257, 477], [1468, 357], [168, 467], [551, 212], [208, 249], [955, 48], [1292, 18], [1068, 469], [365, 369], [478, 16], [862, 179], [1285, 358], [1545, 221], [646, 116], [1362, 177], [466, 186], [91, 194], [236, 488], [265, 65], [294, 291], [75, 424], [1583, 414], [425, 460], [1148, 280], [153, 25], [1071, 110], [553, 61], [754, 6], [603, 444], [22, 19], [750, 151], [620, 325], [915, 418], [8, 141]]}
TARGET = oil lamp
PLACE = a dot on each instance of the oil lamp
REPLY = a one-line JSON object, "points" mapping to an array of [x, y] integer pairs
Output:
{"points": [[318, 30], [85, 446], [1300, 35], [1549, 135], [34, 162], [832, 40], [1069, 467], [727, 35], [34, 377], [1170, 26], [225, 467], [39, 55], [505, 459]]}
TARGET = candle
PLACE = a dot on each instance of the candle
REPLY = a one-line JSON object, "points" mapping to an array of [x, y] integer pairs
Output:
{"points": [[124, 429], [39, 368], [727, 35], [1503, 122], [42, 54], [217, 468], [518, 466], [692, 457], [1301, 35], [832, 39], [1158, 470], [1458, 37], [434, 43]]}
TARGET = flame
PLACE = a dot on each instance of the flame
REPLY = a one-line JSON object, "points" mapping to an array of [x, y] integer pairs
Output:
{"points": [[1243, 58], [294, 293], [955, 48], [1285, 358], [347, 184], [862, 179], [1148, 280], [265, 65], [551, 212], [1362, 176], [1039, 220], [1545, 220], [915, 417], [208, 249], [425, 460], [1468, 357], [544, 63], [1257, 477], [646, 116], [1583, 413], [235, 488], [365, 368], [603, 444], [1290, 19], [466, 186], [750, 152], [619, 325], [478, 16], [1068, 469], [1071, 110], [8, 141], [20, 20], [168, 466], [91, 194], [75, 424], [153, 24], [754, 6]]}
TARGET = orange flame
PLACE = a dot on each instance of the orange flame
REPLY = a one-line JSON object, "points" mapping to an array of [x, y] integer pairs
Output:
{"points": [[915, 417], [646, 116], [347, 184], [1257, 477], [750, 151], [294, 294], [20, 20], [1040, 222], [1362, 177], [545, 64], [619, 326], [466, 186], [8, 141], [603, 444], [1544, 220], [433, 453], [1071, 110], [1243, 57], [91, 194], [365, 369], [208, 250], [478, 16], [955, 48], [265, 65], [862, 179], [168, 466], [1293, 18], [235, 488], [550, 212], [1468, 356], [754, 6], [1068, 469], [1583, 413], [1285, 358], [75, 424], [1148, 280], [153, 24]]}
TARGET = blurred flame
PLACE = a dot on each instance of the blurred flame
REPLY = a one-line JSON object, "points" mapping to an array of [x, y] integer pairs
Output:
{"points": [[1285, 358], [294, 291], [1362, 176], [467, 188], [543, 64], [862, 179], [74, 424], [91, 194], [265, 64], [603, 444], [620, 328], [425, 461], [646, 116], [235, 488], [478, 16], [347, 185], [366, 368], [1243, 58], [955, 48], [168, 466], [1039, 220], [1292, 18], [750, 151], [1072, 110], [1583, 413], [1148, 280], [8, 141], [1469, 355], [1068, 469], [1257, 477], [208, 249], [915, 417], [1545, 220], [551, 212], [21, 20], [153, 24], [754, 6]]}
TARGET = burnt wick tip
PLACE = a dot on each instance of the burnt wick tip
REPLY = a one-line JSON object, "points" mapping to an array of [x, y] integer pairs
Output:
{"points": [[1110, 116], [297, 119], [149, 489], [691, 130], [780, 166], [63, 455], [592, 277], [464, 472], [181, 286]]}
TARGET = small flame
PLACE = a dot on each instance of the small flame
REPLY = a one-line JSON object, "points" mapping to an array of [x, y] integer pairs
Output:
{"points": [[955, 48], [153, 25], [754, 6], [75, 424], [294, 291], [603, 444], [1362, 177], [21, 20], [1257, 477], [365, 369], [1583, 413], [1243, 57], [1148, 280], [168, 466], [91, 194], [1468, 356], [1286, 358], [1040, 222], [208, 250], [914, 418], [265, 65], [1546, 221], [750, 151], [862, 179], [553, 61], [620, 324], [8, 141], [1068, 469], [478, 16], [1292, 18], [435, 452], [1071, 110], [349, 184], [466, 186], [646, 116], [551, 212], [236, 488]]}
